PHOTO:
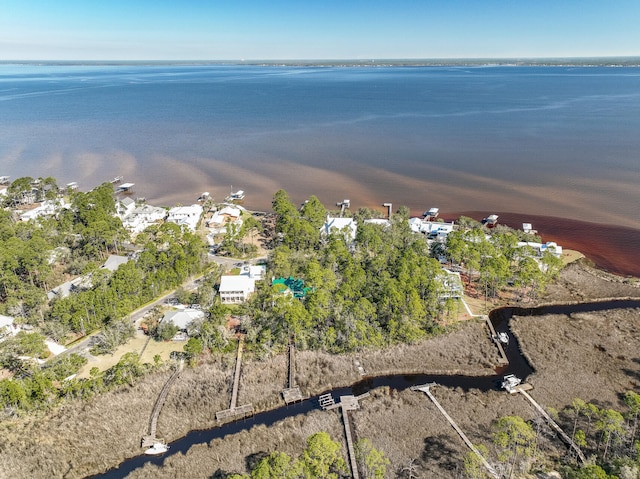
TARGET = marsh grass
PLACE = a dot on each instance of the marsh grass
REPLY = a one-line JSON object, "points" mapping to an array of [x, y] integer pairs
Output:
{"points": [[591, 356]]}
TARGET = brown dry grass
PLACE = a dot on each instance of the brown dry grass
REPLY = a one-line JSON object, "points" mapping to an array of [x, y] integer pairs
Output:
{"points": [[592, 356]]}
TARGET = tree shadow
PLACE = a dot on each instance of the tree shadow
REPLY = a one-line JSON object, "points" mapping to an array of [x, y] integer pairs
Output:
{"points": [[220, 474], [441, 450], [252, 460]]}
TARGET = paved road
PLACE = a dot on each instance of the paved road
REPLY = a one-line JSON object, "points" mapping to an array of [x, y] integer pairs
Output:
{"points": [[190, 285]]}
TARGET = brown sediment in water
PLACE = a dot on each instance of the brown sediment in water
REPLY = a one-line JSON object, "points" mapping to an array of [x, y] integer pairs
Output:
{"points": [[615, 249]]}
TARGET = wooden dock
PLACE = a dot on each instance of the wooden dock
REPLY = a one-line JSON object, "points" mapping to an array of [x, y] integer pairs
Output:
{"points": [[347, 403], [150, 438], [494, 336], [425, 389], [350, 449], [563, 435], [292, 393], [233, 409]]}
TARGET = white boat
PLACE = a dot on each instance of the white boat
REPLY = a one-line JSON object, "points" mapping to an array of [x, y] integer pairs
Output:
{"points": [[510, 382], [156, 449], [237, 196], [503, 338]]}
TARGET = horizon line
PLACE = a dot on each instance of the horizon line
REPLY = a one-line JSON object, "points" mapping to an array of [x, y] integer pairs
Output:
{"points": [[337, 60]]}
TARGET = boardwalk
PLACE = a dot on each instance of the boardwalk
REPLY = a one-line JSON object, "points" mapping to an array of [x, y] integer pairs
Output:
{"points": [[352, 454], [292, 392], [235, 410], [236, 377], [425, 388], [149, 439], [555, 426], [503, 356], [347, 403]]}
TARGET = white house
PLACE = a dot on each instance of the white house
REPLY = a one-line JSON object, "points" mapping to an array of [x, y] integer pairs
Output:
{"points": [[433, 229], [124, 207], [236, 289], [46, 208], [378, 221], [142, 217], [346, 225], [540, 248], [182, 318], [185, 215], [256, 272], [7, 327]]}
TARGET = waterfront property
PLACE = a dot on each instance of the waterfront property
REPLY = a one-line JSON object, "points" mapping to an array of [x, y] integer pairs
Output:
{"points": [[185, 215], [348, 226]]}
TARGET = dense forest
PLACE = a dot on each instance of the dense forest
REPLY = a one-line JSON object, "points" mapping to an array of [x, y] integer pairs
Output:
{"points": [[385, 286], [37, 255]]}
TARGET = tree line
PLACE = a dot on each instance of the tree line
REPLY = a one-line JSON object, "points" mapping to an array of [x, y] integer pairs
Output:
{"points": [[384, 287], [608, 437]]}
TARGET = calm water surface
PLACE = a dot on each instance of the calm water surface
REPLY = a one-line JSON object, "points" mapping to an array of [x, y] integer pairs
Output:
{"points": [[547, 141]]}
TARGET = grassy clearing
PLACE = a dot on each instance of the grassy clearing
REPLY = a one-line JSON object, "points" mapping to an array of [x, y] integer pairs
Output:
{"points": [[136, 345]]}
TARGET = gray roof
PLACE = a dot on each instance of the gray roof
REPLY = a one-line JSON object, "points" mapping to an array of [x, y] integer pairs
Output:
{"points": [[182, 318]]}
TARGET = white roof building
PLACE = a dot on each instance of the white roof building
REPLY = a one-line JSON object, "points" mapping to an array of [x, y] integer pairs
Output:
{"points": [[432, 229], [236, 289], [6, 327], [257, 272], [378, 221], [540, 248], [142, 217], [185, 215], [182, 319], [125, 207], [332, 225], [46, 208]]}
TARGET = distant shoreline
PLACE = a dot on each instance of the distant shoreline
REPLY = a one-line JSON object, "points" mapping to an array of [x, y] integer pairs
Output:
{"points": [[624, 61]]}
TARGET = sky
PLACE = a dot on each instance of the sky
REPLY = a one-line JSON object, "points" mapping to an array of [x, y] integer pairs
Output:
{"points": [[316, 30]]}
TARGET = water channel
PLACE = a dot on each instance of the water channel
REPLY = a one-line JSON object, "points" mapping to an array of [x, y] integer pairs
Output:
{"points": [[500, 317]]}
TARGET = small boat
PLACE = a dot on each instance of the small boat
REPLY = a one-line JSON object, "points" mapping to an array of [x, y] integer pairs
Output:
{"points": [[237, 196], [510, 382], [156, 449], [503, 338]]}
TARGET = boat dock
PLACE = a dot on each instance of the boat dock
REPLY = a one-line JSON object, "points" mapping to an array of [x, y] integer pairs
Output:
{"points": [[150, 439], [503, 361], [347, 403], [563, 435], [233, 409], [292, 392], [425, 389]]}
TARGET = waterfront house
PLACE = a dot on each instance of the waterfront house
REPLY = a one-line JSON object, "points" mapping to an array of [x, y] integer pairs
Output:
{"points": [[124, 207], [345, 225], [541, 248], [437, 230], [185, 215], [142, 217]]}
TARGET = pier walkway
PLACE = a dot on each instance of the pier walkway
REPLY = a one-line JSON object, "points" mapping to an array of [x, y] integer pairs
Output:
{"points": [[494, 336], [347, 403], [292, 392], [233, 409], [563, 435], [150, 438], [425, 389]]}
